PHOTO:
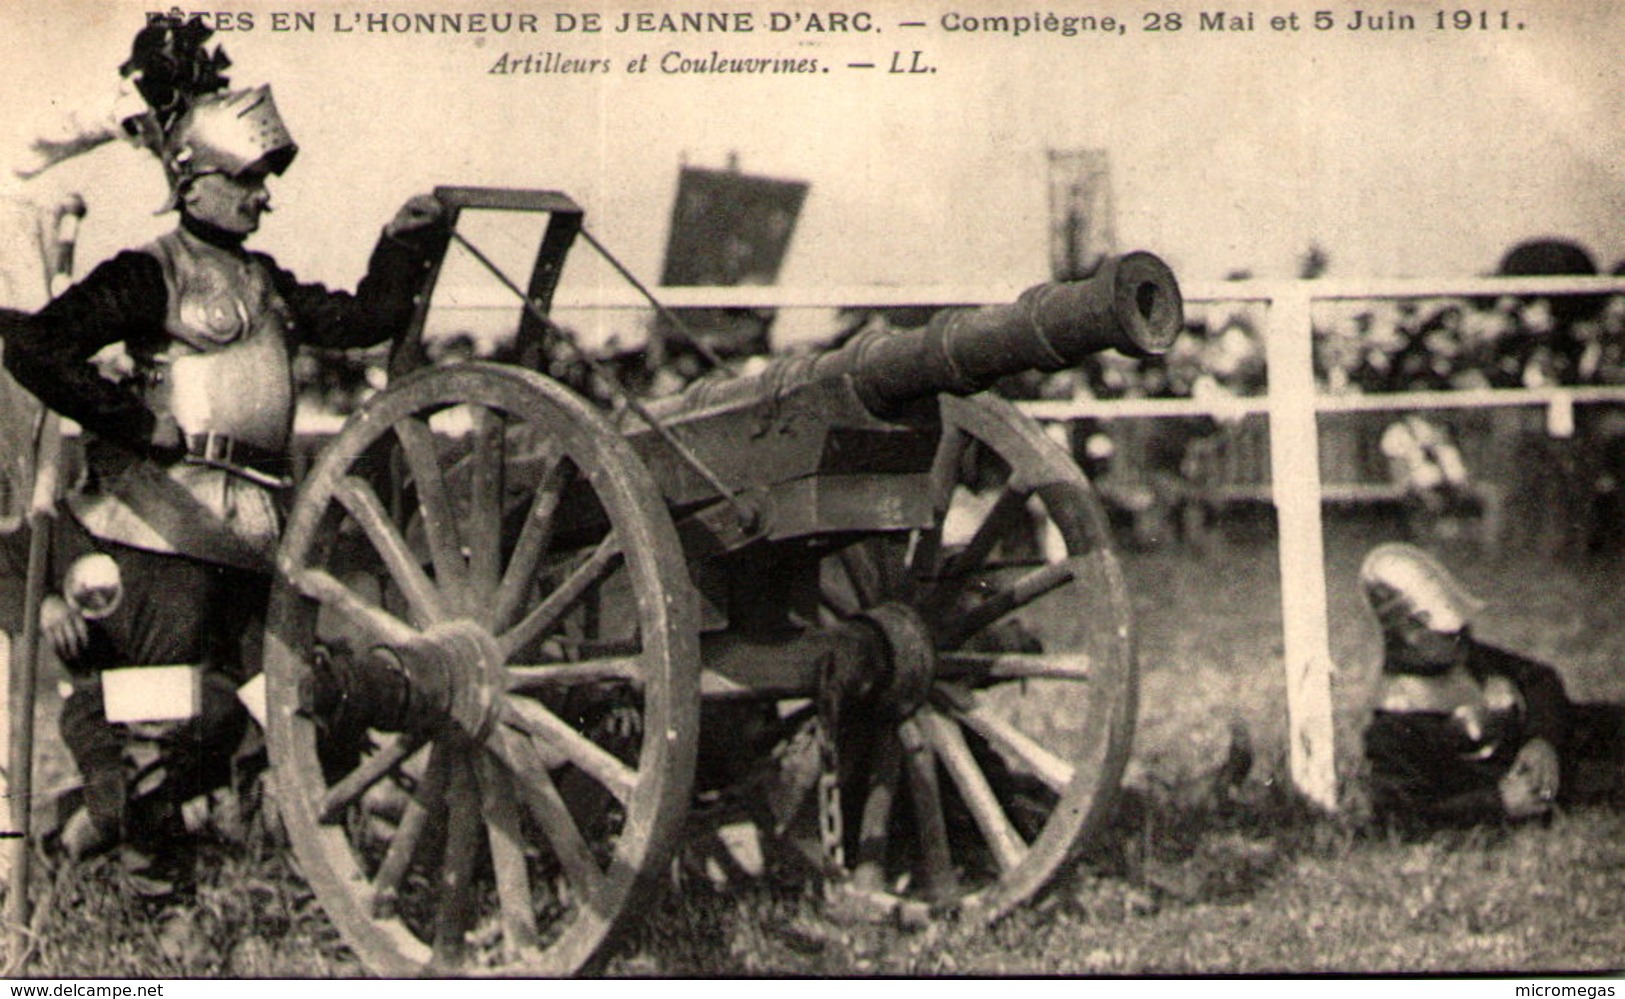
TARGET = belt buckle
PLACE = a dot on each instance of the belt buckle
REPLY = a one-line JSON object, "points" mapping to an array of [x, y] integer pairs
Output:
{"points": [[214, 447]]}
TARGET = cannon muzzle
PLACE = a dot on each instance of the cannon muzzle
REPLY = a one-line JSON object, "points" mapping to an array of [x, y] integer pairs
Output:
{"points": [[1132, 304]]}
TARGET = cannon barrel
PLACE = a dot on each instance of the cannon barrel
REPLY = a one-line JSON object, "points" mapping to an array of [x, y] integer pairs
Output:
{"points": [[1131, 303]]}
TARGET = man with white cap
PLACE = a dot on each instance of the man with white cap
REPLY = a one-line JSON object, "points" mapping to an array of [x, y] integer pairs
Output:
{"points": [[164, 560], [1461, 731]]}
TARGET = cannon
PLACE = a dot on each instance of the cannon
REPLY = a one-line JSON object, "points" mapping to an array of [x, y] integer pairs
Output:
{"points": [[1131, 305], [520, 650]]}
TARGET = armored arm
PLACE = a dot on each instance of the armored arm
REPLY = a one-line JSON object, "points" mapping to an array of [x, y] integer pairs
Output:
{"points": [[122, 300], [381, 306]]}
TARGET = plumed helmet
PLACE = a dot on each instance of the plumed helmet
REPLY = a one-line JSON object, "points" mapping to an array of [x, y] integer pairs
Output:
{"points": [[1402, 581], [228, 133], [171, 66]]}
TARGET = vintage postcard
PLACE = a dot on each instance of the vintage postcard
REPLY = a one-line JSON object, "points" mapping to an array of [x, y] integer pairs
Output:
{"points": [[538, 489]]}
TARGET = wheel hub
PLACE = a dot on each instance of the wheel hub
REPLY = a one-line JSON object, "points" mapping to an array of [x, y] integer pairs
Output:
{"points": [[453, 671], [458, 666], [911, 655]]}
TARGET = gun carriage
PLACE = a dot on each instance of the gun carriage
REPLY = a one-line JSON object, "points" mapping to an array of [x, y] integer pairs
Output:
{"points": [[520, 648]]}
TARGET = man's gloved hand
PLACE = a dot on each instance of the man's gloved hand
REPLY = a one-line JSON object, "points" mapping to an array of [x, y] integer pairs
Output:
{"points": [[63, 627], [1530, 787], [419, 212]]}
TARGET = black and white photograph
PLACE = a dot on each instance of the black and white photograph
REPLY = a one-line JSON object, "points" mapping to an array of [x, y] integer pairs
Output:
{"points": [[784, 489]]}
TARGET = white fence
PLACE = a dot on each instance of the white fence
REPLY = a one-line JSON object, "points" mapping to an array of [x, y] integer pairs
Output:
{"points": [[1291, 405]]}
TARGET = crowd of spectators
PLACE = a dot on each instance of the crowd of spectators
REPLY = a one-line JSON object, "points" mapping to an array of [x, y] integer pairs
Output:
{"points": [[1510, 342], [1515, 341]]}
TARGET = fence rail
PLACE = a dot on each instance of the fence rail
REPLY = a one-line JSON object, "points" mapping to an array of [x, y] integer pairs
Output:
{"points": [[900, 296]]}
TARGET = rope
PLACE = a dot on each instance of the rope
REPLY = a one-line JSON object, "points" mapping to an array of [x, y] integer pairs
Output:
{"points": [[747, 516], [693, 339]]}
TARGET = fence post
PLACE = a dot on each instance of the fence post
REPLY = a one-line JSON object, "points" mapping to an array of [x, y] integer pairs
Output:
{"points": [[1295, 485]]}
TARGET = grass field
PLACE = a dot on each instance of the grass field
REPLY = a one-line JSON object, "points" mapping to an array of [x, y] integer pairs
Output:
{"points": [[1189, 879]]}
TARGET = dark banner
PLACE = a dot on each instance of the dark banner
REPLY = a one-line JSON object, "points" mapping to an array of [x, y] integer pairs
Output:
{"points": [[727, 228], [730, 228]]}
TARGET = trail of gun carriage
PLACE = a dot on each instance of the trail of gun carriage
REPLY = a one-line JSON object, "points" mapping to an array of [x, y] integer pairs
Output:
{"points": [[832, 663]]}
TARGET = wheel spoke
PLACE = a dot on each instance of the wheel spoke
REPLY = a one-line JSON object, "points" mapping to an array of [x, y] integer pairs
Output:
{"points": [[1007, 513], [977, 668], [997, 831], [483, 530], [1005, 516], [863, 575], [939, 883], [530, 716], [535, 679], [377, 625], [429, 801], [547, 807], [363, 503], [507, 845], [373, 769], [439, 519], [833, 605], [583, 578], [945, 468], [1019, 593], [1043, 764], [534, 538], [798, 794], [456, 905], [924, 558], [869, 874]]}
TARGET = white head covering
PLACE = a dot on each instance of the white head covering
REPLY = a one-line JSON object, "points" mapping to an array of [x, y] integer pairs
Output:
{"points": [[1402, 581]]}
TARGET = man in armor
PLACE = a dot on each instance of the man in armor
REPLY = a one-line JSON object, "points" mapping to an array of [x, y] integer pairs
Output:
{"points": [[1461, 731], [164, 556]]}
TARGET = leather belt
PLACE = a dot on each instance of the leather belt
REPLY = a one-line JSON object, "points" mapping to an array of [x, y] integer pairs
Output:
{"points": [[257, 464], [211, 447], [229, 450]]}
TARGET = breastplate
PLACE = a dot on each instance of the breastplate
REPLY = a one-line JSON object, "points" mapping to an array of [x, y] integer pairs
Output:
{"points": [[225, 369], [1478, 717]]}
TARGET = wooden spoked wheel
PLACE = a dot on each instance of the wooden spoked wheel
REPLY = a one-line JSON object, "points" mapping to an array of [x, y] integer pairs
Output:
{"points": [[482, 669], [997, 750]]}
